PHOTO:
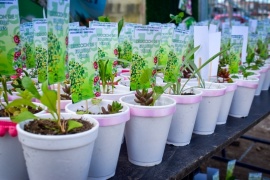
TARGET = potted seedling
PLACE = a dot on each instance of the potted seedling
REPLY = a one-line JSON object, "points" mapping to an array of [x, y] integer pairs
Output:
{"points": [[71, 134], [223, 76], [147, 130], [262, 53], [247, 84], [85, 78], [108, 57], [112, 117], [11, 149]]}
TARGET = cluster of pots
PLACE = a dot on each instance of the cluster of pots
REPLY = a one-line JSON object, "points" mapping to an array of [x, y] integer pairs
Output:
{"points": [[145, 129]]}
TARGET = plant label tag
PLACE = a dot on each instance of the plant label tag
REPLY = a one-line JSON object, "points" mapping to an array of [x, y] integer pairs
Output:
{"points": [[165, 43], [181, 44], [201, 39], [41, 47], [214, 48], [83, 67], [146, 41], [10, 39], [235, 53], [242, 30], [58, 22]]}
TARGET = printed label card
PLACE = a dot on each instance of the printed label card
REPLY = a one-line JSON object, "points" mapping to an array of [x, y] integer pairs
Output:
{"points": [[125, 43], [254, 176], [146, 42], [41, 47], [19, 55], [9, 33], [214, 48], [58, 22], [107, 44], [201, 39], [242, 30], [29, 48], [165, 43], [181, 44], [235, 53], [230, 169], [252, 41], [226, 28], [252, 24], [213, 28], [83, 67]]}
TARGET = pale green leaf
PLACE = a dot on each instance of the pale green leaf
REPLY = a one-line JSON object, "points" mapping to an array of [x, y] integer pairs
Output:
{"points": [[73, 124], [146, 75], [30, 86], [20, 103], [26, 115], [120, 26], [49, 98]]}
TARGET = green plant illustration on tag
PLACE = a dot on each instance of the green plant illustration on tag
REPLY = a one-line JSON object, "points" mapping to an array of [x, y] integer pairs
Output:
{"points": [[41, 57]]}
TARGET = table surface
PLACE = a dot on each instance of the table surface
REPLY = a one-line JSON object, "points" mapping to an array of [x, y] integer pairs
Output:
{"points": [[178, 162]]}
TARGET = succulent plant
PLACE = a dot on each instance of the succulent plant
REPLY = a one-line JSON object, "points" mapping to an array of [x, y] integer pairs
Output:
{"points": [[144, 97], [113, 108]]}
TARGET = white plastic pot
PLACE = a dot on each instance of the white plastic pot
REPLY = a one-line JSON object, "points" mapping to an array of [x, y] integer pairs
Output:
{"points": [[226, 103], [147, 130], [183, 120], [107, 145], [12, 163], [243, 96], [209, 108], [266, 82], [58, 156]]}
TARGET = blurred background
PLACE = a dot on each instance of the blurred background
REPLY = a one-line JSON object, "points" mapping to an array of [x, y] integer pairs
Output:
{"points": [[144, 11]]}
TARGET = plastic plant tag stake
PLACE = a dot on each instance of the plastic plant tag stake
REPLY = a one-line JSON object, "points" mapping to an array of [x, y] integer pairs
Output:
{"points": [[19, 55], [214, 48], [41, 47], [230, 168], [252, 25], [9, 33], [29, 45], [213, 28], [83, 68], [58, 19], [235, 53], [225, 42], [146, 41], [252, 41], [212, 173], [180, 45], [125, 43], [254, 176], [242, 30], [165, 43], [201, 39], [107, 42]]}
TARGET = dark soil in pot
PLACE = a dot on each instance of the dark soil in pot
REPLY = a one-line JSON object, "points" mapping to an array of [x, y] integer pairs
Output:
{"points": [[50, 127]]}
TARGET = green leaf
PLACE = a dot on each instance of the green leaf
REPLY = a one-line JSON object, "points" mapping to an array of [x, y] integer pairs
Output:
{"points": [[23, 116], [49, 98], [73, 124], [146, 75], [120, 26], [172, 16], [29, 85], [20, 103], [192, 52], [104, 19]]}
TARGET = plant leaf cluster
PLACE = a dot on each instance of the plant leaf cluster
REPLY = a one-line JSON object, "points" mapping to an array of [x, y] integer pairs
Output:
{"points": [[48, 98]]}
